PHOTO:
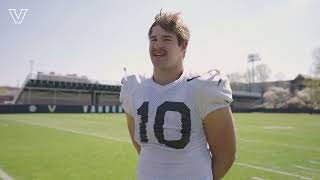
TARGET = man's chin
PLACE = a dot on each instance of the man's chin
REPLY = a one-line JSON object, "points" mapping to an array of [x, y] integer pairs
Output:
{"points": [[159, 61], [162, 58], [163, 67]]}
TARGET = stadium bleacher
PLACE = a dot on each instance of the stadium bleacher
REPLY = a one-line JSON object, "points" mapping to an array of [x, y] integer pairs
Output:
{"points": [[52, 89]]}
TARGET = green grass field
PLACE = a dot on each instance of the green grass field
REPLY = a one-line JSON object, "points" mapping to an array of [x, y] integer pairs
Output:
{"points": [[97, 146]]}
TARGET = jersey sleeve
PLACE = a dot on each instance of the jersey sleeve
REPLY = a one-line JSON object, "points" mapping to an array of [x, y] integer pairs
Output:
{"points": [[214, 93], [130, 84], [125, 97]]}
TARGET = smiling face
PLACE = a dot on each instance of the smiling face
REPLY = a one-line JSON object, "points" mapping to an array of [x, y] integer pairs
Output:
{"points": [[165, 52]]}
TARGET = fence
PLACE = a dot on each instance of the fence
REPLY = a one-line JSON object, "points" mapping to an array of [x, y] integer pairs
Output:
{"points": [[31, 108]]}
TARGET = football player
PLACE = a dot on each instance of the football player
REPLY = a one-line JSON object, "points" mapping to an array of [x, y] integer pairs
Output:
{"points": [[180, 123]]}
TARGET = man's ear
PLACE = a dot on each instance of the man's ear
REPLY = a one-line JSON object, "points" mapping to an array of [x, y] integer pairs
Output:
{"points": [[184, 45]]}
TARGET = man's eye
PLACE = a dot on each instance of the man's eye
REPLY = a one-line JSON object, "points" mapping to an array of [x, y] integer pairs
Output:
{"points": [[167, 39], [153, 39]]}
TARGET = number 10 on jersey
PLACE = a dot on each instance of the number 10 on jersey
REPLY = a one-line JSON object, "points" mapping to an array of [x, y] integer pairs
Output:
{"points": [[179, 107]]}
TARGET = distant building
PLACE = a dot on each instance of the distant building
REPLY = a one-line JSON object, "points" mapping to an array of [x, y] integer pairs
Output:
{"points": [[55, 89]]}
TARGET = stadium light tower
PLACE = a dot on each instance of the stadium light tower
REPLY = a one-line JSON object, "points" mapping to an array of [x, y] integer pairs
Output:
{"points": [[251, 59]]}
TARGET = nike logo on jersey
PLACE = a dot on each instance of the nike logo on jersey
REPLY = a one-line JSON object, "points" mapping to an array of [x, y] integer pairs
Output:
{"points": [[190, 79]]}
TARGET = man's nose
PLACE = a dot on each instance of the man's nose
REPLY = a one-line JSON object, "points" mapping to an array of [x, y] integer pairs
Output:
{"points": [[158, 44]]}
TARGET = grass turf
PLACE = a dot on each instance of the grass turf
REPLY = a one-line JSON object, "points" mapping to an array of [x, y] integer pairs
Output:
{"points": [[97, 146]]}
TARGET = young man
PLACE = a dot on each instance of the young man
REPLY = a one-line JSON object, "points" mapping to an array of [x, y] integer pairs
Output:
{"points": [[174, 115]]}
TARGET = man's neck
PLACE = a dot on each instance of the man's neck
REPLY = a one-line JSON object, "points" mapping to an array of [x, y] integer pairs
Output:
{"points": [[165, 77]]}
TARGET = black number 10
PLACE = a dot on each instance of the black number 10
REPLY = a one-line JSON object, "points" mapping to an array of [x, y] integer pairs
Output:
{"points": [[179, 107]]}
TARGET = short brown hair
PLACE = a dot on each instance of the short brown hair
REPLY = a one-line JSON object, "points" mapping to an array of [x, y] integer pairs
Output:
{"points": [[171, 22]]}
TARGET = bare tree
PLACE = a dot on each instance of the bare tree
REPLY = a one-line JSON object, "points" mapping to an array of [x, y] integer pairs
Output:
{"points": [[316, 64], [236, 77], [313, 90], [262, 72], [313, 84]]}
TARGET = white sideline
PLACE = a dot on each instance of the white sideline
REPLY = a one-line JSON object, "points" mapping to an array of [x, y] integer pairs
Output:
{"points": [[273, 171], [307, 168], [293, 146], [72, 131], [4, 175]]}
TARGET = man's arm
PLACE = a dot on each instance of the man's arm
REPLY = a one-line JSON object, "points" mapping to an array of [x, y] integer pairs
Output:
{"points": [[130, 122], [220, 132]]}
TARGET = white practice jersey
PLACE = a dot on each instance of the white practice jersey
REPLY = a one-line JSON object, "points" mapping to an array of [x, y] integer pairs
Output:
{"points": [[168, 123]]}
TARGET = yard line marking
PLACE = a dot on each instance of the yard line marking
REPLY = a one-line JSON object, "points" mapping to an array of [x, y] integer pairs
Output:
{"points": [[307, 168], [250, 140], [277, 127], [293, 146], [314, 162], [73, 131], [121, 140], [4, 175], [285, 133], [257, 178], [273, 171]]}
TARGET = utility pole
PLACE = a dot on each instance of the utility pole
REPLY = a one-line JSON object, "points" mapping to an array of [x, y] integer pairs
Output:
{"points": [[251, 59]]}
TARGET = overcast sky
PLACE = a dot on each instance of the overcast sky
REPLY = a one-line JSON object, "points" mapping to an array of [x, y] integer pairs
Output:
{"points": [[98, 38]]}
